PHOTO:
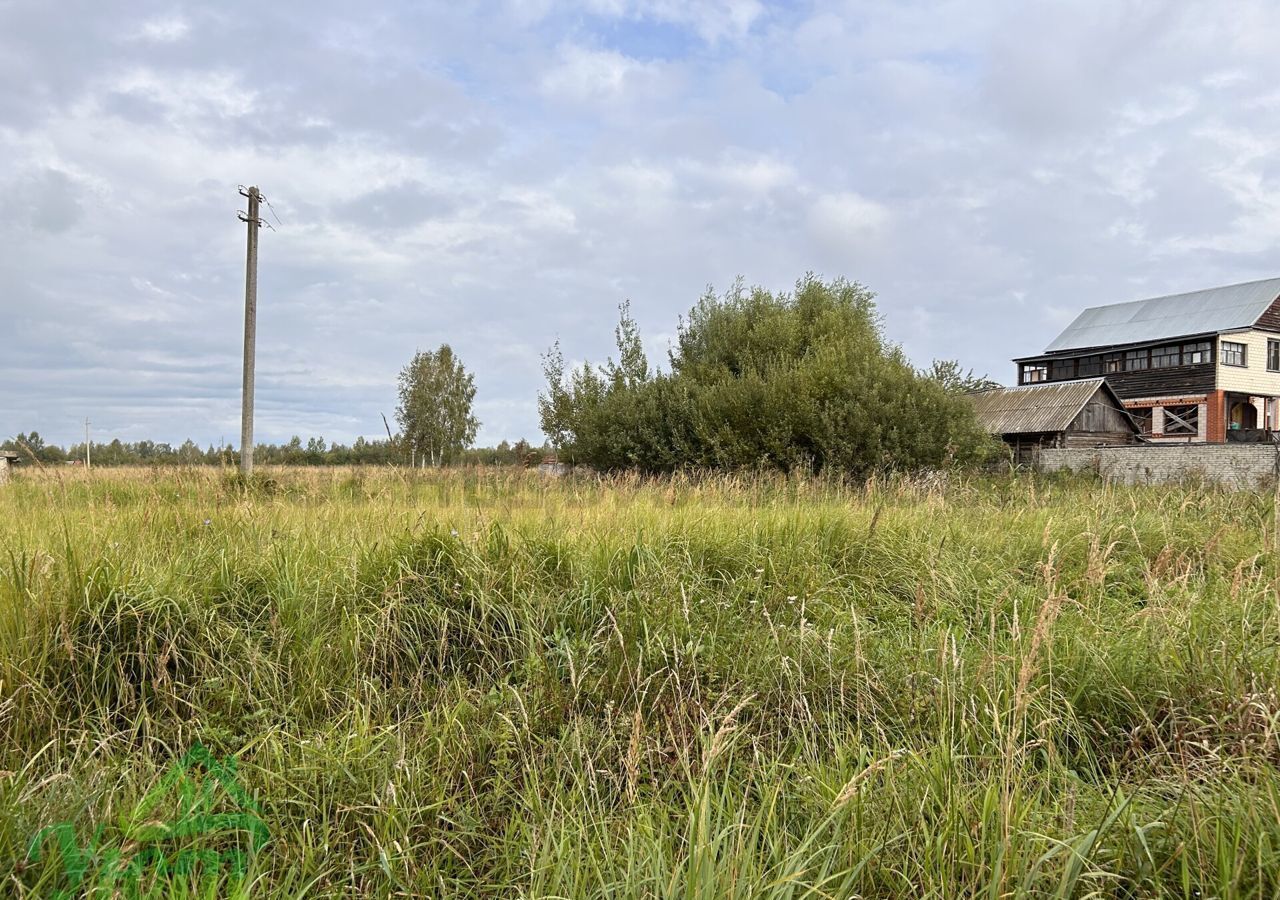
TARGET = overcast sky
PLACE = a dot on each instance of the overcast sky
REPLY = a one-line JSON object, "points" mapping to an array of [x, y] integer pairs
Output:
{"points": [[500, 175]]}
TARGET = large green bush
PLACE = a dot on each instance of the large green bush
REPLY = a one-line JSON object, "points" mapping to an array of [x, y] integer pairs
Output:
{"points": [[800, 380]]}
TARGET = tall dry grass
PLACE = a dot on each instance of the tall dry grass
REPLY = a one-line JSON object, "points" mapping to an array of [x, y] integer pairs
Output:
{"points": [[493, 684]]}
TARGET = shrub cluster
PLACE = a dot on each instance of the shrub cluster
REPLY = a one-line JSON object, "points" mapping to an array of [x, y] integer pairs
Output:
{"points": [[804, 380]]}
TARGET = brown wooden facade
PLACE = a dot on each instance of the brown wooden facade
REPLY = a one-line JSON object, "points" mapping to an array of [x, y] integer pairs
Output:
{"points": [[1133, 371]]}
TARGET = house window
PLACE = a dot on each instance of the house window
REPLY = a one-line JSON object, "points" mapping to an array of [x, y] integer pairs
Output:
{"points": [[1273, 356], [1166, 357], [1136, 360], [1184, 420], [1089, 366], [1113, 362], [1062, 370], [1034, 372], [1197, 353], [1233, 354], [1142, 418]]}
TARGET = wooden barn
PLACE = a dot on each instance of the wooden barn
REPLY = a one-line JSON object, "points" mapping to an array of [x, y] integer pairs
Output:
{"points": [[1084, 413]]}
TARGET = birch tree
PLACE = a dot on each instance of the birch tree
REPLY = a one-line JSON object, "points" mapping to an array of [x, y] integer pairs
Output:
{"points": [[435, 416]]}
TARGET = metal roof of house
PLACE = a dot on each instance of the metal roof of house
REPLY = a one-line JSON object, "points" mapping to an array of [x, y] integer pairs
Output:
{"points": [[1037, 408], [1199, 312]]}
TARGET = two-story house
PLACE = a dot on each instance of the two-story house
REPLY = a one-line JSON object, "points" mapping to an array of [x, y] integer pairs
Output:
{"points": [[1203, 366]]}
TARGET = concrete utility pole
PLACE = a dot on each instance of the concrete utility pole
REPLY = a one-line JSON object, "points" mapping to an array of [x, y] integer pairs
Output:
{"points": [[250, 328], [88, 454]]}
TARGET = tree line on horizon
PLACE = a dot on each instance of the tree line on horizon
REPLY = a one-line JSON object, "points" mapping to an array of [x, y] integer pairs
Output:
{"points": [[314, 451]]}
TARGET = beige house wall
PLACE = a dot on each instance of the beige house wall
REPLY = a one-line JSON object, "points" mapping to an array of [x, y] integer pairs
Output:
{"points": [[1253, 378]]}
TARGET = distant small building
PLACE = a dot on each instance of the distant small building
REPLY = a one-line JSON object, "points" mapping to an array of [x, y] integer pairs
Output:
{"points": [[550, 465], [8, 458], [1084, 413]]}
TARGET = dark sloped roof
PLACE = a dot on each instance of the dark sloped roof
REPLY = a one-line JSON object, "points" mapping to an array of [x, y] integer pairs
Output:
{"points": [[1035, 408], [1176, 315]]}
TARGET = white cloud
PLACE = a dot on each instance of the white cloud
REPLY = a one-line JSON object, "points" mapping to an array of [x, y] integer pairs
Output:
{"points": [[711, 20], [714, 20], [747, 174], [847, 217], [164, 30], [641, 180], [586, 74], [189, 94]]}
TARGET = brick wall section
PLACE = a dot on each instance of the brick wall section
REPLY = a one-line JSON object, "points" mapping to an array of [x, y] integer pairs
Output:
{"points": [[1217, 430], [1237, 465]]}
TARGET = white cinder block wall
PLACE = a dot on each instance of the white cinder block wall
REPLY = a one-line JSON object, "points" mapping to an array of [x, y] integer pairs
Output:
{"points": [[1237, 465]]}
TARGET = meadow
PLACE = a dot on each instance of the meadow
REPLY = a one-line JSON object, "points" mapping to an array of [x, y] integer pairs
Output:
{"points": [[494, 684]]}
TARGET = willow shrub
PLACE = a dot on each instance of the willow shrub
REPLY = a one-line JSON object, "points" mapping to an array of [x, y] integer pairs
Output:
{"points": [[805, 380]]}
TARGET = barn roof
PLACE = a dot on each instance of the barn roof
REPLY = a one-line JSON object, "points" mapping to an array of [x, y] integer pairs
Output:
{"points": [[1176, 315], [1037, 408]]}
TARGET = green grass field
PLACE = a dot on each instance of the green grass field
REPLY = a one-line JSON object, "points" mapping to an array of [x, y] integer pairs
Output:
{"points": [[491, 684]]}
